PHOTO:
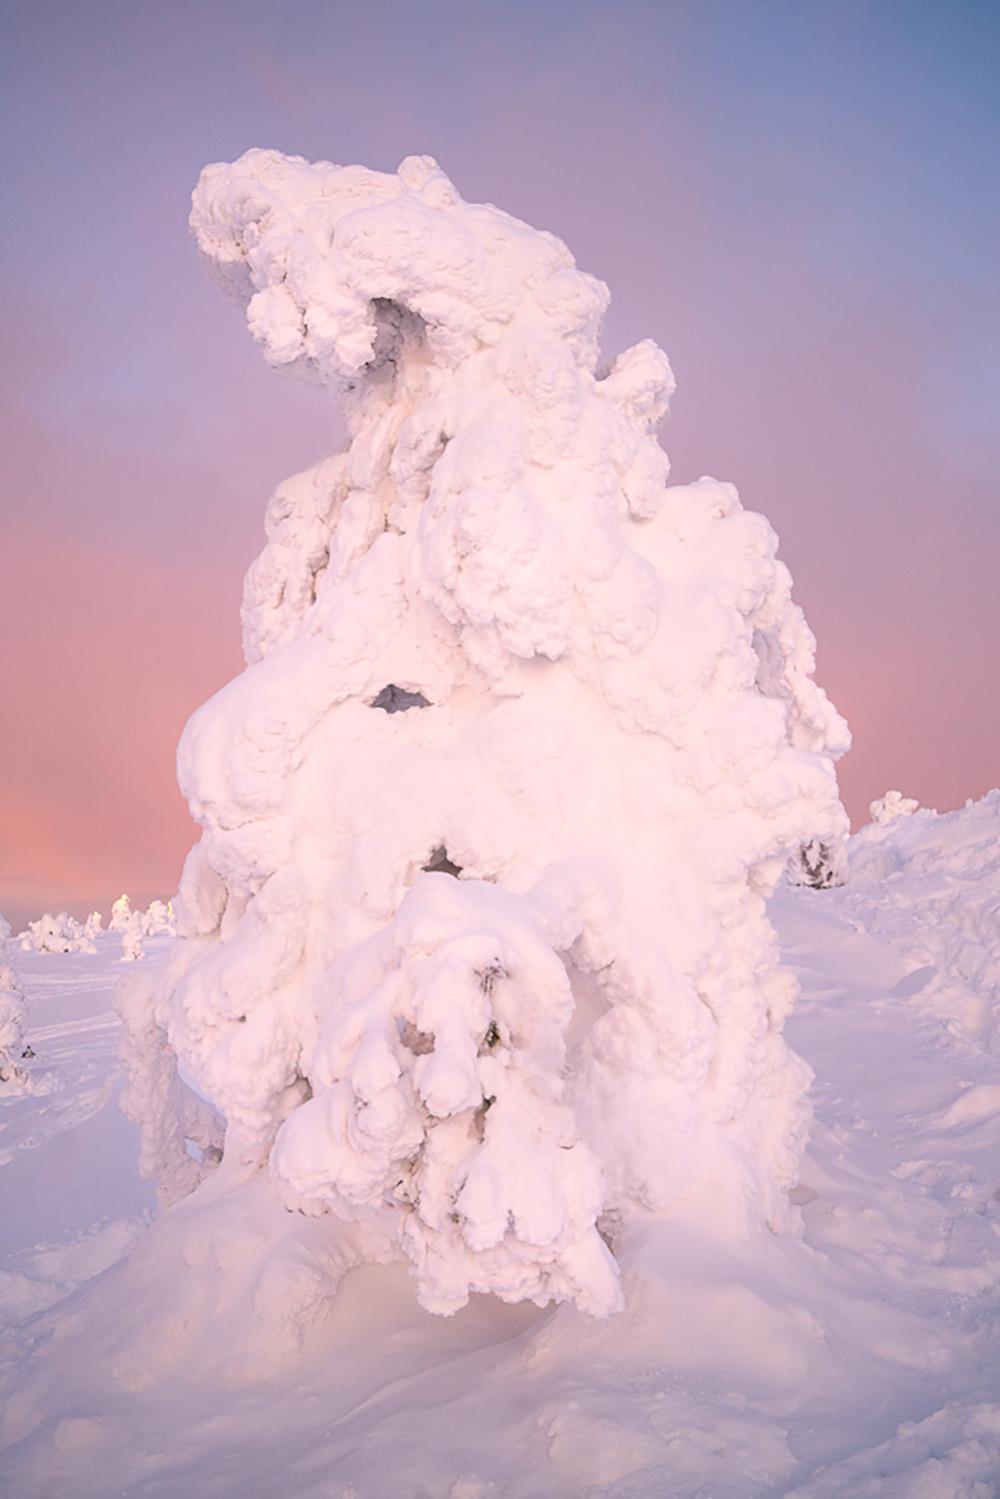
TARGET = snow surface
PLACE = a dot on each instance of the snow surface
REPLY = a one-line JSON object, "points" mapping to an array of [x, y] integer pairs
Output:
{"points": [[474, 956], [862, 1359]]}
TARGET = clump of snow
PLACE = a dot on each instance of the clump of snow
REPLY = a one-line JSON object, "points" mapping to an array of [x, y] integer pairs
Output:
{"points": [[12, 1015], [930, 883], [887, 808], [473, 949]]}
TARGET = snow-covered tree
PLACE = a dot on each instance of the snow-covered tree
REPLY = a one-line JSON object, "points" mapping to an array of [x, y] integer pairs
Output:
{"points": [[132, 935], [158, 919], [121, 911], [93, 926], [12, 1016], [474, 949], [56, 934]]}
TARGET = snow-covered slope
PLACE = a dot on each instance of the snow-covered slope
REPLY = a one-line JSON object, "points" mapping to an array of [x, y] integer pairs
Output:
{"points": [[862, 1360], [930, 882]]}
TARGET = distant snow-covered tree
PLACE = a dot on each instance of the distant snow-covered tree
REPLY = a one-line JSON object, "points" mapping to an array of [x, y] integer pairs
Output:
{"points": [[132, 935], [56, 934], [158, 919], [121, 911], [894, 804], [474, 951]]}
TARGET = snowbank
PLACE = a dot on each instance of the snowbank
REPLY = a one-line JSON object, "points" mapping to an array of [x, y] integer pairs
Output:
{"points": [[930, 883], [473, 949]]}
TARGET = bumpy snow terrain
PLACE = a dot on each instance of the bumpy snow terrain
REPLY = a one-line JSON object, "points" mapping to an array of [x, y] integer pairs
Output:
{"points": [[862, 1359]]}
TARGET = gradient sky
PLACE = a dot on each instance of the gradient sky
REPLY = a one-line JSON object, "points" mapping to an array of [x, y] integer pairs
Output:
{"points": [[800, 202]]}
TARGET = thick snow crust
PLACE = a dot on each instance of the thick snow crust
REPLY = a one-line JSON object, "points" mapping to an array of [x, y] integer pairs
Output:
{"points": [[474, 951]]}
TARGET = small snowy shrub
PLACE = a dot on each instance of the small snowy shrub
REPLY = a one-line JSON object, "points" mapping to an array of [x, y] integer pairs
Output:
{"points": [[473, 950], [820, 864]]}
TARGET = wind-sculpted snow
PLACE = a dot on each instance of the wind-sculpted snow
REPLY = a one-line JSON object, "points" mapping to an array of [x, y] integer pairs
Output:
{"points": [[930, 883], [473, 949]]}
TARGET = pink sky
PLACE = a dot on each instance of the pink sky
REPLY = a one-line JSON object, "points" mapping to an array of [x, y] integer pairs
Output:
{"points": [[800, 206]]}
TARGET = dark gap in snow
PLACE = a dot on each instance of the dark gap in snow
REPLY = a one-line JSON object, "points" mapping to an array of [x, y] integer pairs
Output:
{"points": [[439, 863], [393, 699], [395, 326], [490, 974], [415, 1040]]}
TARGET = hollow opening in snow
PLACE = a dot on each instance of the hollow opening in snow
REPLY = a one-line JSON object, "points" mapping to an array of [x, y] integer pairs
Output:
{"points": [[439, 863], [395, 326], [393, 699]]}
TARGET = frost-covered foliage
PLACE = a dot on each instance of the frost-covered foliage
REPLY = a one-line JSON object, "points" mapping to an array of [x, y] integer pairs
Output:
{"points": [[12, 1015], [820, 863], [930, 882], [474, 949], [57, 934]]}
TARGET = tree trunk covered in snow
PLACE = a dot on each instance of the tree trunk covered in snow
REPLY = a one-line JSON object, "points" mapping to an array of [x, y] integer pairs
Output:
{"points": [[473, 949]]}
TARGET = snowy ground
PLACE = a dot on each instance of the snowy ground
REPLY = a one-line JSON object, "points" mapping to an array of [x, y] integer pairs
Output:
{"points": [[864, 1359]]}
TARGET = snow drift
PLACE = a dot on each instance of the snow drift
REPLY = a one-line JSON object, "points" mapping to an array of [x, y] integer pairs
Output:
{"points": [[929, 882], [473, 949]]}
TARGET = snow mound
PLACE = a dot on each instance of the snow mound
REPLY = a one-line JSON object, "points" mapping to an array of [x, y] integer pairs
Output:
{"points": [[473, 950], [930, 883]]}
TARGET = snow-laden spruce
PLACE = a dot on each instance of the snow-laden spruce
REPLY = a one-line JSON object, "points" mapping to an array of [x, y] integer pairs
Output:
{"points": [[473, 948]]}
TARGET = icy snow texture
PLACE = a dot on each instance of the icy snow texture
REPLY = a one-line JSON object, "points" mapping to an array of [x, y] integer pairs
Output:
{"points": [[930, 883], [621, 746]]}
